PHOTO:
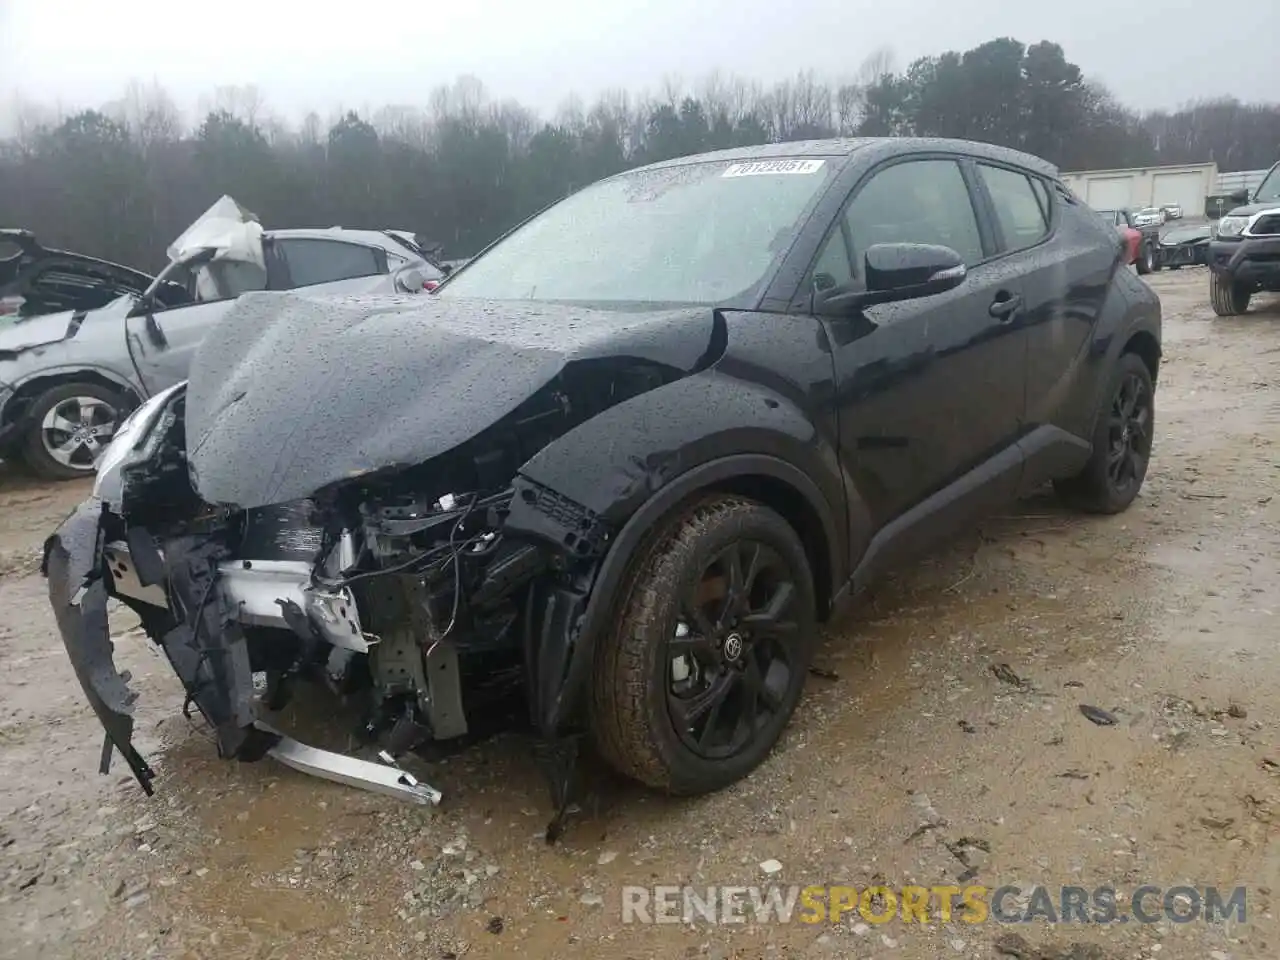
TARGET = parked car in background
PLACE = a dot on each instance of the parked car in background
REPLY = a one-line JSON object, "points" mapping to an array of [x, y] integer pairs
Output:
{"points": [[1244, 254], [1149, 217], [1172, 211], [35, 279], [67, 378], [1184, 246], [1139, 242], [618, 467]]}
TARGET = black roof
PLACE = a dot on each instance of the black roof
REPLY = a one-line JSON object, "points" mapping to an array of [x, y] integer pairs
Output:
{"points": [[881, 146]]}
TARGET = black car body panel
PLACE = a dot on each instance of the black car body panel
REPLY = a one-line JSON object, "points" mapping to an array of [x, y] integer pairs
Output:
{"points": [[1254, 261], [493, 467], [1184, 246], [78, 591]]}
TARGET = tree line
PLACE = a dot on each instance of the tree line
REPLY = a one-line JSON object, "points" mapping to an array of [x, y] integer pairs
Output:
{"points": [[122, 180]]}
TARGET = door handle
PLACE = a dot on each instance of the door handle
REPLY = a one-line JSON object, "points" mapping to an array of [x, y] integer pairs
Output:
{"points": [[1005, 306]]}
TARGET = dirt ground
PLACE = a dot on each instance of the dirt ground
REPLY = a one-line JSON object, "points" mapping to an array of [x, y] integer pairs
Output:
{"points": [[916, 757]]}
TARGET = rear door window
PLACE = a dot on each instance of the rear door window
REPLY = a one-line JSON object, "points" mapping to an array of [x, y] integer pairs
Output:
{"points": [[325, 261]]}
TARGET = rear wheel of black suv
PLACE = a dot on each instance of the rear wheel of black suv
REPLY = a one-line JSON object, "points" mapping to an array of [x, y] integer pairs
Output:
{"points": [[708, 659], [1122, 439], [1228, 299], [1146, 259]]}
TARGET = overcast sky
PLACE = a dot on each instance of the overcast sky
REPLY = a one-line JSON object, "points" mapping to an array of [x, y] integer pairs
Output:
{"points": [[322, 55]]}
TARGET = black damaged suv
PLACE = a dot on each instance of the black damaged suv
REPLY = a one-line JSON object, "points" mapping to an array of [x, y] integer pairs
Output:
{"points": [[619, 466], [1244, 256]]}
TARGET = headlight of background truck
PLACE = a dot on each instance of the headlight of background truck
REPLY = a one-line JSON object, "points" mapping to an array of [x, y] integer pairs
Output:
{"points": [[1232, 226]]}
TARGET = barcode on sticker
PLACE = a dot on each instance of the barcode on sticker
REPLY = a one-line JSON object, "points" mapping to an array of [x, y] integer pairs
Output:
{"points": [[762, 168]]}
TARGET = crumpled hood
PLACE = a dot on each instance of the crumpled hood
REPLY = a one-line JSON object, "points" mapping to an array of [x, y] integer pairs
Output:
{"points": [[295, 393], [37, 331]]}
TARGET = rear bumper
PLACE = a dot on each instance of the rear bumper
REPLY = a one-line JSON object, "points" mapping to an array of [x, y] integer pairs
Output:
{"points": [[209, 652], [1252, 261]]}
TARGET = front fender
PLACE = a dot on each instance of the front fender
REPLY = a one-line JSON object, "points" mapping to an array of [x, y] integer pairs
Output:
{"points": [[629, 466], [618, 460], [69, 371]]}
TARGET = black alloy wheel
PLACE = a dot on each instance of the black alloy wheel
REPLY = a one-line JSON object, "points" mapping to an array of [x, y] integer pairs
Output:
{"points": [[708, 660], [730, 656], [1129, 433], [1123, 438]]}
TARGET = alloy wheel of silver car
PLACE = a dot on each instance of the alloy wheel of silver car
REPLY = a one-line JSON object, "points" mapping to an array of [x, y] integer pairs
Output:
{"points": [[76, 430]]}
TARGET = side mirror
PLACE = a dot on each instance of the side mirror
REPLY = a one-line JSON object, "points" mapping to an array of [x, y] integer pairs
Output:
{"points": [[900, 271], [906, 271], [1240, 196]]}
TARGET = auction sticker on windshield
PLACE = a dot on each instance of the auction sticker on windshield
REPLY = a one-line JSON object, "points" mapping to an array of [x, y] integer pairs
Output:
{"points": [[761, 168]]}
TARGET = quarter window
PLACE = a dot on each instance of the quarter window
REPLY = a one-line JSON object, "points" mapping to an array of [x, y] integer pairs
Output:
{"points": [[1019, 207], [833, 268]]}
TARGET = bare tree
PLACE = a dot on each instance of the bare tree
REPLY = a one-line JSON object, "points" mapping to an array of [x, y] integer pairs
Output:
{"points": [[148, 113], [879, 63], [672, 89], [244, 103]]}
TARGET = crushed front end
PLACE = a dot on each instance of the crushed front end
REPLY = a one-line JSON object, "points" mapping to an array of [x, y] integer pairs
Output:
{"points": [[436, 596]]}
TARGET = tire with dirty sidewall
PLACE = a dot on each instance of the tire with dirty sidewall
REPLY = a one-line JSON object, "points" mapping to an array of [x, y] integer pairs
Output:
{"points": [[1228, 299], [630, 722], [37, 459], [1146, 257], [1090, 490]]}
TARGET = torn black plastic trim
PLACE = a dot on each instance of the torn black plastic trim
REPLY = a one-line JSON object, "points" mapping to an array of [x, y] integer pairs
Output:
{"points": [[208, 649], [78, 593], [539, 512]]}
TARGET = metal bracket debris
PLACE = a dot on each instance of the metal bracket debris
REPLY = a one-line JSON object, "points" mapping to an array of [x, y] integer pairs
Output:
{"points": [[340, 768]]}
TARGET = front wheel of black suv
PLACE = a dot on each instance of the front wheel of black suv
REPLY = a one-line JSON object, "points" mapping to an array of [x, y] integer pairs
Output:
{"points": [[711, 648], [1122, 440], [1228, 299]]}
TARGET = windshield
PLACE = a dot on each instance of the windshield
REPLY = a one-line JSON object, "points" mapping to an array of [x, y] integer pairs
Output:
{"points": [[1269, 188], [698, 233]]}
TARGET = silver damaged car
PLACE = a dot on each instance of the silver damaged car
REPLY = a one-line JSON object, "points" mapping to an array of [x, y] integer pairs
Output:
{"points": [[67, 379]]}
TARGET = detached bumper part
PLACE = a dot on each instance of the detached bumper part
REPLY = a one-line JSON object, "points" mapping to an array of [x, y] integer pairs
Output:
{"points": [[72, 565], [210, 661], [255, 590], [386, 779]]}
